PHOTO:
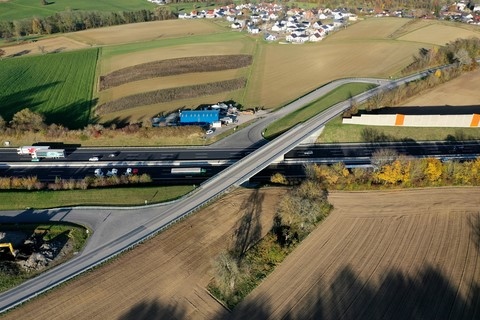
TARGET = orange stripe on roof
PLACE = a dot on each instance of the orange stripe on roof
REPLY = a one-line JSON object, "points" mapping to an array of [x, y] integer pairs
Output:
{"points": [[475, 120], [399, 119]]}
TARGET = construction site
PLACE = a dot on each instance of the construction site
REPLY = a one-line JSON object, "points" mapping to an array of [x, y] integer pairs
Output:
{"points": [[32, 250]]}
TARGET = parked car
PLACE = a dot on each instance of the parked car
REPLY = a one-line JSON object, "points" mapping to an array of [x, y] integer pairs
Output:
{"points": [[210, 131], [98, 173]]}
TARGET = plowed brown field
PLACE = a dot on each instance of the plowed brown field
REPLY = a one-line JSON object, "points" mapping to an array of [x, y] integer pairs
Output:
{"points": [[410, 254], [401, 254], [166, 277]]}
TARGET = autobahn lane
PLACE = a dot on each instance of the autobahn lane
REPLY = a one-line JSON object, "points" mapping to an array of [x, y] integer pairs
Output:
{"points": [[440, 149], [159, 164], [107, 155]]}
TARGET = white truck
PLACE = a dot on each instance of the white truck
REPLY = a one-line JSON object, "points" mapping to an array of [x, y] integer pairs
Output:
{"points": [[30, 149], [48, 154]]}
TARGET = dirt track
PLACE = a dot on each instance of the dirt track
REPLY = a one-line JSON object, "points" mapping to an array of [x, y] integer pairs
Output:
{"points": [[398, 254], [382, 255]]}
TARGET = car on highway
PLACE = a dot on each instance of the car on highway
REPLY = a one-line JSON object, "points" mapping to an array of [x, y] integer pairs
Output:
{"points": [[113, 154], [94, 159], [130, 171], [112, 172], [308, 152]]}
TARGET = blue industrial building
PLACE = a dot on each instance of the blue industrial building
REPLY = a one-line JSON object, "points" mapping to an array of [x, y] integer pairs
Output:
{"points": [[199, 117]]}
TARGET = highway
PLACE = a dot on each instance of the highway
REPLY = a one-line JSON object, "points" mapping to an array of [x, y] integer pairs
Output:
{"points": [[158, 162], [116, 230]]}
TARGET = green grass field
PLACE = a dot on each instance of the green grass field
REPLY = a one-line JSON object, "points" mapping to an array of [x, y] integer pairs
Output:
{"points": [[19, 200], [342, 93], [336, 132], [59, 85], [19, 9]]}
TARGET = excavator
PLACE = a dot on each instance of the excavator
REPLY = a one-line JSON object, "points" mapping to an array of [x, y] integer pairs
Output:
{"points": [[9, 248]]}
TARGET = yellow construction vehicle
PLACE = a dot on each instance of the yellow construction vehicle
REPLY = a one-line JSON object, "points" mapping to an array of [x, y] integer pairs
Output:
{"points": [[9, 246]]}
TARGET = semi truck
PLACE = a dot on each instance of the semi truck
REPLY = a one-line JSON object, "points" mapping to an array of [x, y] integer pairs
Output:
{"points": [[48, 154], [30, 149], [188, 171]]}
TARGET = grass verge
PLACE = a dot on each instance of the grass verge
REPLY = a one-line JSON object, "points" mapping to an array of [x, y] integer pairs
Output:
{"points": [[342, 93], [57, 85], [18, 200], [337, 132]]}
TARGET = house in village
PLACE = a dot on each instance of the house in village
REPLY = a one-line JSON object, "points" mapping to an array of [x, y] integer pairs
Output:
{"points": [[253, 29], [315, 37], [236, 25], [270, 37]]}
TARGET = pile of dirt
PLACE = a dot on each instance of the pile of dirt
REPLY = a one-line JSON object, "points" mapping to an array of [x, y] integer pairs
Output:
{"points": [[31, 252]]}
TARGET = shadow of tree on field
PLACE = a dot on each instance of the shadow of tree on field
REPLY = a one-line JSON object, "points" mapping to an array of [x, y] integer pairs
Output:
{"points": [[248, 230], [73, 116], [474, 222], [426, 295], [153, 309], [119, 122], [14, 102]]}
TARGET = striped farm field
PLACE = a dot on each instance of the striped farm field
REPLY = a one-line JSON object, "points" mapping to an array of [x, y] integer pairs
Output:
{"points": [[279, 73], [400, 254], [145, 31], [439, 34], [410, 254], [58, 85], [20, 9]]}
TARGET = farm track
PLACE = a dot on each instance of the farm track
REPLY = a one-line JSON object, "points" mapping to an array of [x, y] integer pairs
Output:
{"points": [[381, 255]]}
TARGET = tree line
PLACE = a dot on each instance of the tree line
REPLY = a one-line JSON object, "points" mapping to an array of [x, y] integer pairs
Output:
{"points": [[461, 51], [70, 20]]}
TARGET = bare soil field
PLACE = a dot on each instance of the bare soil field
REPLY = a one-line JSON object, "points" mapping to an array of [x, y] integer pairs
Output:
{"points": [[153, 84], [145, 31], [439, 34], [164, 278], [285, 72], [462, 91], [48, 45], [171, 67], [400, 254], [118, 61], [383, 28]]}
